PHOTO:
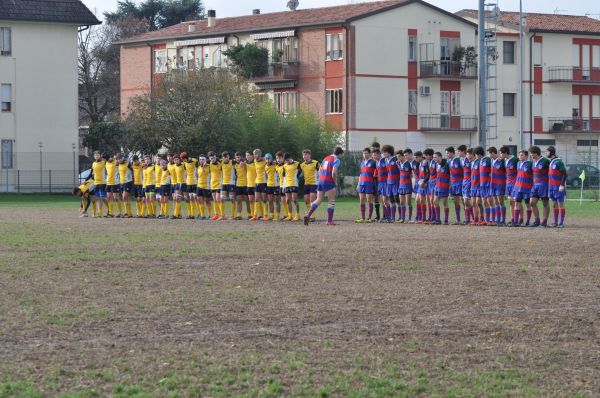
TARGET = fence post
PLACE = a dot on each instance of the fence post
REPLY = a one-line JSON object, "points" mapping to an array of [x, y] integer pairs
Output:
{"points": [[19, 181], [6, 180], [50, 181]]}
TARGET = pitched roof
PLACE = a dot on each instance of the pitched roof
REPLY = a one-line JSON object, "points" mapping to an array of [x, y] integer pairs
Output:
{"points": [[279, 20], [537, 22], [64, 11]]}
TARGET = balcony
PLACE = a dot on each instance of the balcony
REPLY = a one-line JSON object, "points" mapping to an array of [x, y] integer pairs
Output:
{"points": [[448, 123], [447, 70], [573, 125], [573, 74], [280, 75]]}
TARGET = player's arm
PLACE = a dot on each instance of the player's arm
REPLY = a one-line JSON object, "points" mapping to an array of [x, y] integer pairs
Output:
{"points": [[561, 167], [334, 172]]}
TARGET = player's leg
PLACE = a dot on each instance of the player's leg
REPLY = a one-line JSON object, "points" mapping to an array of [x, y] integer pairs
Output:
{"points": [[331, 194], [362, 200], [546, 207], [447, 209], [536, 212], [370, 204], [408, 207], [314, 205], [297, 206], [457, 200]]}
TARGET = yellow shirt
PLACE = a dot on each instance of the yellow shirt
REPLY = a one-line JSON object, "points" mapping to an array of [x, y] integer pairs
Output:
{"points": [[98, 171], [138, 178], [172, 173], [203, 173], [215, 175], [190, 168], [250, 175], [157, 174], [227, 170], [149, 176], [280, 171], [180, 172], [164, 177], [242, 177], [310, 171], [261, 176], [291, 174], [125, 173], [85, 187], [271, 170], [111, 172]]}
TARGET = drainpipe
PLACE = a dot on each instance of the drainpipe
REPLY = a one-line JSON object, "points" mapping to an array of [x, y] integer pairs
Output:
{"points": [[347, 91], [531, 89]]}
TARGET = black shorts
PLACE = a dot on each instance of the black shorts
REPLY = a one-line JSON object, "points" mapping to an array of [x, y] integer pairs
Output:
{"points": [[165, 190], [272, 190], [241, 191], [216, 191], [204, 193], [250, 191], [150, 189], [176, 187], [127, 187], [308, 189], [291, 190], [138, 191], [281, 191], [227, 188], [261, 188], [191, 188], [113, 188]]}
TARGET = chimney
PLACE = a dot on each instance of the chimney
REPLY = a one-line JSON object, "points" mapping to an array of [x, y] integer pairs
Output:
{"points": [[212, 18], [256, 11], [191, 27]]}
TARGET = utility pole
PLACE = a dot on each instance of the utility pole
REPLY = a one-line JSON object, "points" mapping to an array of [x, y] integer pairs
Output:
{"points": [[521, 76], [482, 77]]}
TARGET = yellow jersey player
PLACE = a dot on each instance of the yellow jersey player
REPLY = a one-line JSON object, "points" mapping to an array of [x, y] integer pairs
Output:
{"points": [[86, 192], [179, 170], [241, 183], [165, 189], [272, 188], [150, 186], [112, 189], [138, 185], [281, 174], [260, 191], [203, 192], [310, 171], [291, 169], [189, 188], [125, 183], [98, 176], [215, 186], [228, 185], [251, 176]]}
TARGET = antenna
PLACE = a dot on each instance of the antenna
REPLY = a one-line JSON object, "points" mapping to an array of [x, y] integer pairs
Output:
{"points": [[293, 4], [557, 11]]}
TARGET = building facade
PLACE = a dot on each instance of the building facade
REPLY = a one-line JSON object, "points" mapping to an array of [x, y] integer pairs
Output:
{"points": [[396, 71], [38, 84]]}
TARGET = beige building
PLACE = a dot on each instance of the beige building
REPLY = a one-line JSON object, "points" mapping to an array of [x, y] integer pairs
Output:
{"points": [[39, 84]]}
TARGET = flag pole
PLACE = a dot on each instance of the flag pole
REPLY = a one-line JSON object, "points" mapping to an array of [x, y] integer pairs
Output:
{"points": [[581, 198]]}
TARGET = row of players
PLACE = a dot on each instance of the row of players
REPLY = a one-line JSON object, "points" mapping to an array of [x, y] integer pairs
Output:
{"points": [[265, 184], [477, 182]]}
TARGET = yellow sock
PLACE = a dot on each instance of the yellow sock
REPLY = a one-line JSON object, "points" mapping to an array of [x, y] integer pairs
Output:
{"points": [[286, 211], [276, 217], [128, 208], [232, 209], [200, 209], [265, 208], [143, 209], [177, 211], [307, 205], [138, 207], [120, 207], [190, 207], [214, 208], [251, 209], [166, 209], [238, 214], [271, 215], [206, 210], [111, 207]]}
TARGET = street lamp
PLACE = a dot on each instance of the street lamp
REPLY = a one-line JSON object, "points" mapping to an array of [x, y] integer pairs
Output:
{"points": [[41, 145], [74, 165]]}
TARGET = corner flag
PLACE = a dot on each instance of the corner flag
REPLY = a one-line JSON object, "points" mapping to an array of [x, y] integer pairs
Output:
{"points": [[582, 176]]}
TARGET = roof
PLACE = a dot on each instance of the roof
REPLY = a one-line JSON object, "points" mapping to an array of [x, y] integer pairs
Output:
{"points": [[63, 11], [551, 23], [280, 20]]}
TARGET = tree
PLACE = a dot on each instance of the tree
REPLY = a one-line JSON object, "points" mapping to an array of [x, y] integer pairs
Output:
{"points": [[248, 61], [158, 13]]}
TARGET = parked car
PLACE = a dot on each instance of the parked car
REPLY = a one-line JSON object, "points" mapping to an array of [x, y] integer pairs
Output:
{"points": [[592, 175]]}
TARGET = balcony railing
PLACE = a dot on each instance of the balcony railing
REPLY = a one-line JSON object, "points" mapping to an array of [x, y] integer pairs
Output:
{"points": [[279, 72], [448, 123], [573, 74], [447, 70], [573, 124]]}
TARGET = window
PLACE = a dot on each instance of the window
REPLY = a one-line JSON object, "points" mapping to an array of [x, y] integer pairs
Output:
{"points": [[284, 50], [5, 95], [508, 52], [333, 101], [544, 142], [7, 154], [444, 102], [537, 105], [576, 62], [207, 58], [455, 105], [508, 104], [537, 54], [286, 102], [190, 58], [587, 142], [181, 61], [160, 61], [412, 48], [412, 102], [5, 42], [334, 46], [575, 108]]}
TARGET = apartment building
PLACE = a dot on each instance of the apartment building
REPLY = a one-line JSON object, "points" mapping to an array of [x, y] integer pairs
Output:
{"points": [[38, 83]]}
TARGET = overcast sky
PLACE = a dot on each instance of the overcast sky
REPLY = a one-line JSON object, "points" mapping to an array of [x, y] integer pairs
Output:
{"points": [[229, 8]]}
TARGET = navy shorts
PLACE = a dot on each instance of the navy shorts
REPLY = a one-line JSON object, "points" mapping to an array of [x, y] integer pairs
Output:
{"points": [[442, 193], [215, 190], [150, 189], [127, 187], [364, 188], [250, 191], [204, 193], [519, 196], [498, 191], [540, 191], [113, 189], [272, 190], [241, 191], [325, 186], [557, 196], [509, 189], [138, 191], [291, 190], [165, 190], [310, 189], [177, 187], [261, 188], [227, 188], [101, 190], [456, 189]]}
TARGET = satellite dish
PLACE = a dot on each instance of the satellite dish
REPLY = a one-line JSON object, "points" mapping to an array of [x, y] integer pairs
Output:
{"points": [[293, 4]]}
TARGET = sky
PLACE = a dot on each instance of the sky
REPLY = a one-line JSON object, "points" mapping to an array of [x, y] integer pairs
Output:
{"points": [[230, 8]]}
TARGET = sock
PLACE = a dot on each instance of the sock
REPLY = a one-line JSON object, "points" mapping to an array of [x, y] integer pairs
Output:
{"points": [[313, 207], [563, 212], [276, 216], [467, 214], [493, 214], [377, 210], [457, 211], [362, 211], [251, 209], [177, 211], [206, 210], [370, 211], [166, 209], [488, 212], [393, 217], [286, 210], [410, 211], [120, 207], [516, 216], [214, 208], [162, 209], [528, 216], [556, 212], [438, 214], [418, 215], [307, 205], [329, 214], [265, 208], [232, 209], [190, 209], [111, 208], [403, 213], [446, 214], [128, 208], [503, 214], [138, 209]]}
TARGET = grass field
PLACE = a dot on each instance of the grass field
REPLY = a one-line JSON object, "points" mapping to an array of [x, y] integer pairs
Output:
{"points": [[186, 308]]}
